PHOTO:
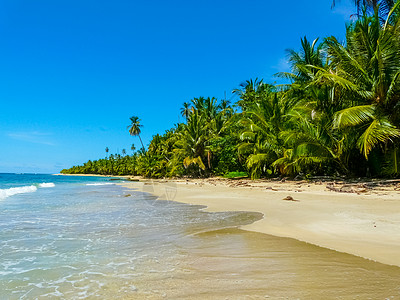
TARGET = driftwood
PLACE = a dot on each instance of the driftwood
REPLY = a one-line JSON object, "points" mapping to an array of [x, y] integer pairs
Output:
{"points": [[362, 187], [381, 182], [348, 188], [132, 179]]}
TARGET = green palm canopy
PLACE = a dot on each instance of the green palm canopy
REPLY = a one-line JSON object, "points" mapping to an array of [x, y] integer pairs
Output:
{"points": [[134, 128]]}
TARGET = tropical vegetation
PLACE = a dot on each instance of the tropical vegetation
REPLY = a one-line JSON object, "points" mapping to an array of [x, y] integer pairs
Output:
{"points": [[338, 113]]}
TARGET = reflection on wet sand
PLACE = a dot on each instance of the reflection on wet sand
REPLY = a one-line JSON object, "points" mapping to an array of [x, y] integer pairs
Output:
{"points": [[237, 264]]}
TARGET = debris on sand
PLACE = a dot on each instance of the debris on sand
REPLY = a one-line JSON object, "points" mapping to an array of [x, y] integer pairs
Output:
{"points": [[289, 198], [348, 188]]}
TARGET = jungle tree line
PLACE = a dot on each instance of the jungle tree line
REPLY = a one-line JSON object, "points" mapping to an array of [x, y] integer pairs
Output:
{"points": [[339, 113]]}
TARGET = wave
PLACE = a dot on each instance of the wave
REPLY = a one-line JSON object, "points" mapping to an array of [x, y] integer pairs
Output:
{"points": [[103, 183], [46, 185], [4, 193]]}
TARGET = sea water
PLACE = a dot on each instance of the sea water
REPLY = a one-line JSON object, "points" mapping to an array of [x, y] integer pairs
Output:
{"points": [[89, 238]]}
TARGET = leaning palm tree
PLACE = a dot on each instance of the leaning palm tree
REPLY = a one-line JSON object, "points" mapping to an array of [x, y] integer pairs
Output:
{"points": [[134, 128]]}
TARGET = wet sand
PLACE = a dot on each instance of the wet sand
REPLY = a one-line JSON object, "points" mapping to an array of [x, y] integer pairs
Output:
{"points": [[365, 225], [238, 264]]}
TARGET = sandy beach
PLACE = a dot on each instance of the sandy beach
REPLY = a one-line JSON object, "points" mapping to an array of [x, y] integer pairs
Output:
{"points": [[360, 221]]}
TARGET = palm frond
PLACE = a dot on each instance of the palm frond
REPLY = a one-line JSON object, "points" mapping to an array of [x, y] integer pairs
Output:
{"points": [[353, 116], [379, 131], [194, 160]]}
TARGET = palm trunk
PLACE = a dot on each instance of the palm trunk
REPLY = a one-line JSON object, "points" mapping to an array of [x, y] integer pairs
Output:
{"points": [[141, 141]]}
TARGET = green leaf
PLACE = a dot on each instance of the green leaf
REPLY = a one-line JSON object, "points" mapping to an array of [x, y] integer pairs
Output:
{"points": [[353, 116], [378, 131]]}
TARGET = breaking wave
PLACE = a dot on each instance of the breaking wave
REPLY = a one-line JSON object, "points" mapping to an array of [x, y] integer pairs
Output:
{"points": [[4, 193]]}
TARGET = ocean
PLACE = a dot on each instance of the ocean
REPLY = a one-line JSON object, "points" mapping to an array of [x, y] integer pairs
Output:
{"points": [[72, 237]]}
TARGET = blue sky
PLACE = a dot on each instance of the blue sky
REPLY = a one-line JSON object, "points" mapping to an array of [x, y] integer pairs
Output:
{"points": [[73, 72]]}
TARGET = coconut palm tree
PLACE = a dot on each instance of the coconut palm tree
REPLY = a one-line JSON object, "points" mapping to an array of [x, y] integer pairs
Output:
{"points": [[383, 7], [186, 110], [251, 92], [211, 108], [310, 145], [134, 128], [367, 71], [310, 54], [198, 103], [192, 142], [261, 124]]}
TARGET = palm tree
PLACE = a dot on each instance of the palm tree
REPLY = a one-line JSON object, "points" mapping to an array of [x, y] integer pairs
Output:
{"points": [[311, 54], [192, 142], [261, 125], [210, 108], [186, 110], [310, 144], [367, 71], [133, 148], [383, 7], [251, 92], [107, 150], [134, 128], [198, 103]]}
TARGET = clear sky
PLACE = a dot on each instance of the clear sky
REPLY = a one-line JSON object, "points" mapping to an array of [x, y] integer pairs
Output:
{"points": [[73, 72]]}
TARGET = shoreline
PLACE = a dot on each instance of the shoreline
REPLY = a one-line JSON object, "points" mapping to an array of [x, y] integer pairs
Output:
{"points": [[361, 222], [93, 175], [352, 218]]}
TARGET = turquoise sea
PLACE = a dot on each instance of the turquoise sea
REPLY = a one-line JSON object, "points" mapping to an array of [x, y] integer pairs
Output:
{"points": [[67, 237]]}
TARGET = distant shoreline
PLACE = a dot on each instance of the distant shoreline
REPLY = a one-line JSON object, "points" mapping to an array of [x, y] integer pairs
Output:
{"points": [[93, 175], [361, 221]]}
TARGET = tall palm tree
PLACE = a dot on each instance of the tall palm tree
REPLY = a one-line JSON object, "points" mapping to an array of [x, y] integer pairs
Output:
{"points": [[186, 110], [107, 150], [367, 71], [134, 128]]}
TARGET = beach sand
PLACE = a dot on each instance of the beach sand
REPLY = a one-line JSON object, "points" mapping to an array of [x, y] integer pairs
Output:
{"points": [[364, 223]]}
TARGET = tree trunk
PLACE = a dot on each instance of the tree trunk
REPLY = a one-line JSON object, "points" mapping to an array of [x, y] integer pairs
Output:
{"points": [[141, 141]]}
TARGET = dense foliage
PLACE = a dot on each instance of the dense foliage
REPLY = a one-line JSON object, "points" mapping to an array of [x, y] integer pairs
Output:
{"points": [[339, 114]]}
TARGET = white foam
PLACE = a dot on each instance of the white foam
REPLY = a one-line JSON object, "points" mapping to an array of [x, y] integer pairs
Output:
{"points": [[46, 185], [4, 193], [105, 183]]}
